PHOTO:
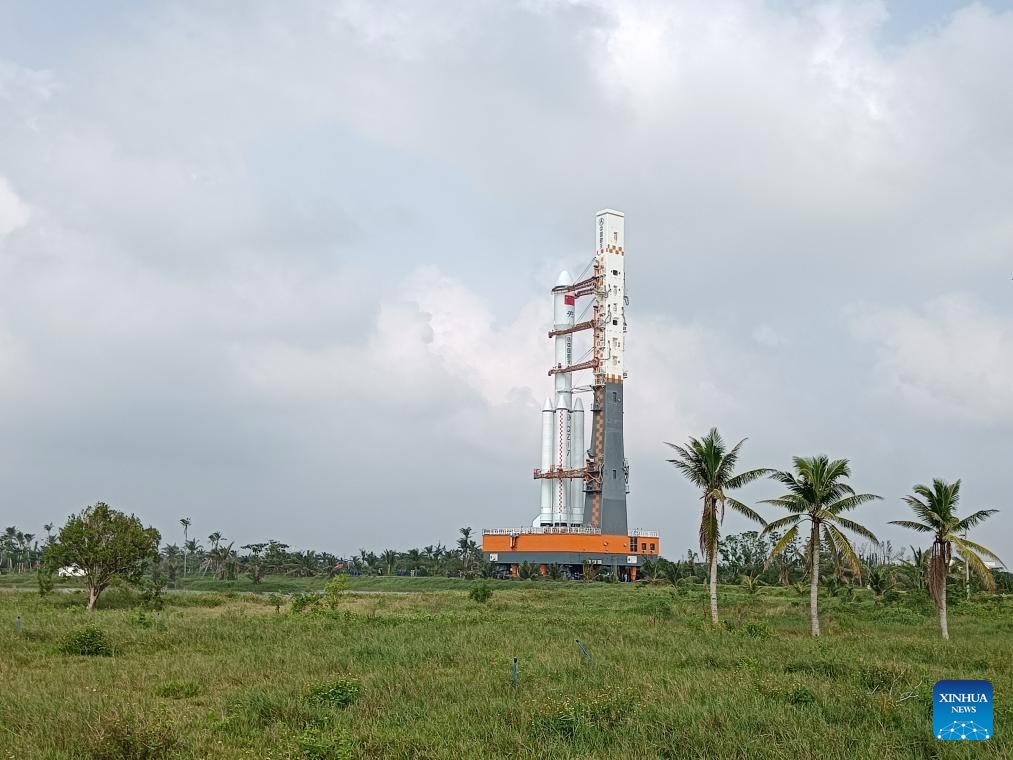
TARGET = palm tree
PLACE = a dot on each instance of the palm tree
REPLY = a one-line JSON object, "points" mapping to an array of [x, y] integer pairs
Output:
{"points": [[817, 493], [186, 522], [48, 527], [936, 508], [389, 559], [707, 464]]}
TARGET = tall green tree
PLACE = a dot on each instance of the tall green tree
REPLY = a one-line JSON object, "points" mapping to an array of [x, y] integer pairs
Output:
{"points": [[107, 545], [186, 522], [936, 510], [817, 494], [709, 465]]}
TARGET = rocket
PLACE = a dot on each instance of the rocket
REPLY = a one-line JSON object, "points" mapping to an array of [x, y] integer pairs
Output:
{"points": [[562, 423]]}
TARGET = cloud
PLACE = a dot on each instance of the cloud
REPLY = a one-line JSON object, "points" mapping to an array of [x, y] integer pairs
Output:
{"points": [[14, 213], [309, 268], [951, 358]]}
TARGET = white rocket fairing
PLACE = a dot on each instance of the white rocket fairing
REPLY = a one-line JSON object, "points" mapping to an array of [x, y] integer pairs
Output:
{"points": [[563, 315]]}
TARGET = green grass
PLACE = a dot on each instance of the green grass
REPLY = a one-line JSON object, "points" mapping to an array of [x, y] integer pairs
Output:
{"points": [[427, 675]]}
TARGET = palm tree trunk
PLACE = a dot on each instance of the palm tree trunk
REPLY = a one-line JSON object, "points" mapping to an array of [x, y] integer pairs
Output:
{"points": [[714, 585], [814, 579], [942, 615], [967, 580]]}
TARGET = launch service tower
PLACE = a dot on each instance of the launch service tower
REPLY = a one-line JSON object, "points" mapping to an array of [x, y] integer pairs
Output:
{"points": [[582, 523]]}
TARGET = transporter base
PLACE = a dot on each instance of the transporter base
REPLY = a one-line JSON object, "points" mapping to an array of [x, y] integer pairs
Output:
{"points": [[574, 550]]}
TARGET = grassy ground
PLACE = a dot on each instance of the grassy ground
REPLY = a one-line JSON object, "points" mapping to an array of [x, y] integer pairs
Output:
{"points": [[428, 675]]}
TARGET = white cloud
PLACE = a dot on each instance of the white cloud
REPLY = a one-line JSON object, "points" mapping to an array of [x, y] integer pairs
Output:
{"points": [[14, 213], [767, 336], [951, 358]]}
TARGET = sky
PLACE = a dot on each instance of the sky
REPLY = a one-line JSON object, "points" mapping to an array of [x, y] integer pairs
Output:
{"points": [[285, 269]]}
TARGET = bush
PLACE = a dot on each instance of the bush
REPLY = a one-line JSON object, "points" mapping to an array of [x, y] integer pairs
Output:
{"points": [[756, 630], [600, 714], [126, 738], [304, 602], [657, 609], [45, 581], [480, 592], [178, 689], [152, 592], [339, 693], [318, 744], [87, 641], [258, 708], [335, 587]]}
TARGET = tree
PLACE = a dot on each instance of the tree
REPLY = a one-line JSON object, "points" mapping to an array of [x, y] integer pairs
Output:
{"points": [[936, 508], [818, 494], [107, 545], [389, 559], [255, 570], [707, 464], [186, 522]]}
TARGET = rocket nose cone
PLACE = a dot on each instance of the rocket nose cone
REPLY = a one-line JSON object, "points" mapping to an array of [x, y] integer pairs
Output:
{"points": [[564, 279], [578, 405], [548, 405]]}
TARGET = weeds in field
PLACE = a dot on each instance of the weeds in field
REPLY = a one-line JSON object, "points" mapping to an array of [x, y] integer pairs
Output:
{"points": [[480, 592], [339, 693], [87, 641], [178, 689]]}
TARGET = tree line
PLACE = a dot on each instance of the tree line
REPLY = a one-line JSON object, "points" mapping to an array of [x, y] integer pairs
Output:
{"points": [[810, 544]]}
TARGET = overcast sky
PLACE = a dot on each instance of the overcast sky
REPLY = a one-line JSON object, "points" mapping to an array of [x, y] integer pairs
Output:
{"points": [[284, 268]]}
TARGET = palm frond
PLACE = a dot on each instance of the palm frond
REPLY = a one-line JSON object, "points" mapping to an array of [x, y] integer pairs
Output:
{"points": [[852, 501], [974, 519], [974, 563], [978, 549], [854, 527], [744, 478], [912, 525], [784, 542], [781, 522], [846, 549], [742, 509]]}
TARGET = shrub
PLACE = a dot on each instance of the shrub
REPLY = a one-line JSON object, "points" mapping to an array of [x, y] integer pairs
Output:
{"points": [[88, 641], [756, 630], [657, 609], [140, 620], [259, 708], [152, 592], [318, 744], [45, 581], [480, 592], [335, 587], [339, 693], [276, 600], [178, 689], [121, 737], [599, 713], [800, 695], [304, 602]]}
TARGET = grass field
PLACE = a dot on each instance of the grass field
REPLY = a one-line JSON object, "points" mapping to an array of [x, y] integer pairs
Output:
{"points": [[428, 674]]}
